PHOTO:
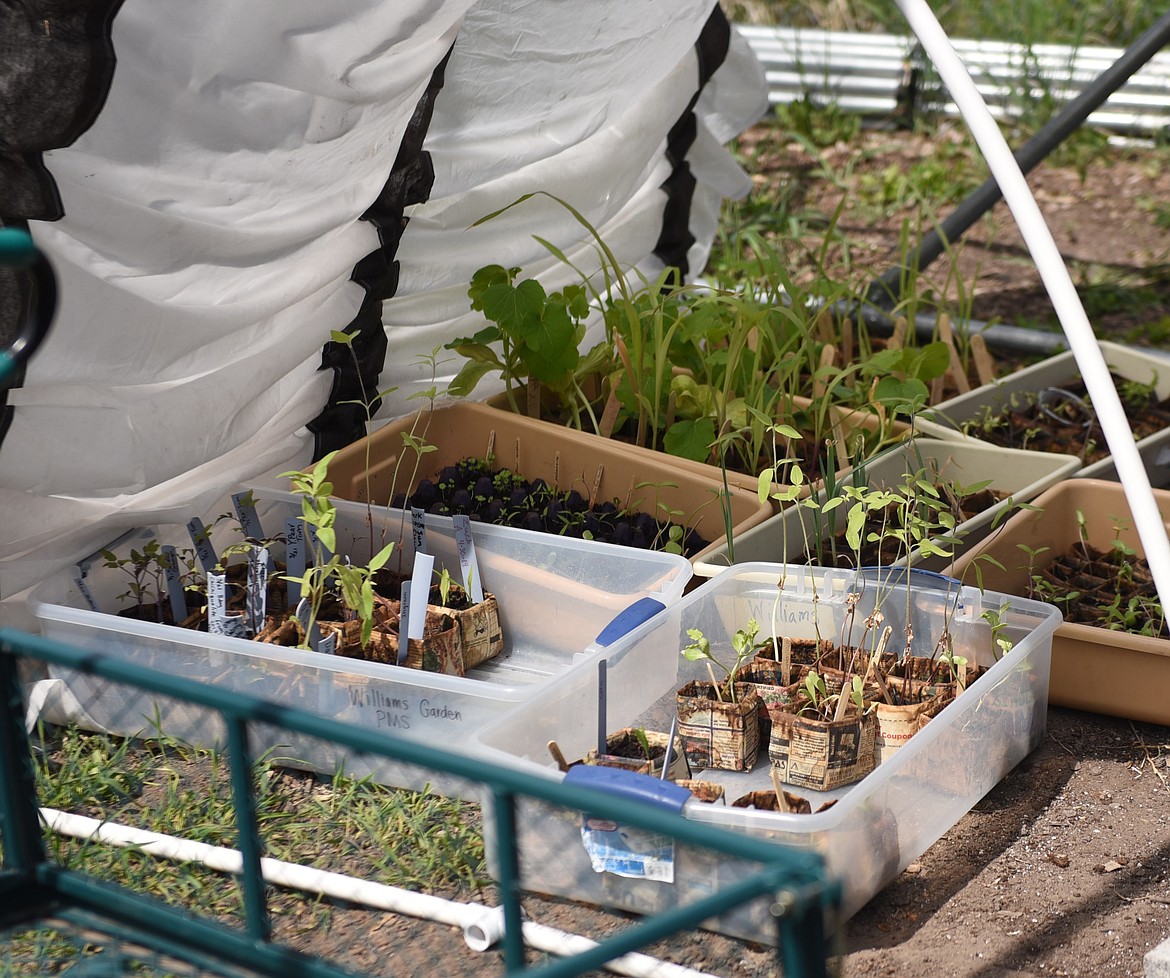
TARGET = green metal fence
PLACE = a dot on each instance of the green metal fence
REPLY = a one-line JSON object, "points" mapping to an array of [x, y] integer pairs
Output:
{"points": [[34, 888]]}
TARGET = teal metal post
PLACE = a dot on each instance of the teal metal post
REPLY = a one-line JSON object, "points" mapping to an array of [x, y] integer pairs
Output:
{"points": [[244, 797], [24, 846], [509, 878]]}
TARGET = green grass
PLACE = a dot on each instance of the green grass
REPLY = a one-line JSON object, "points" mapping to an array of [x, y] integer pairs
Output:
{"points": [[346, 825]]}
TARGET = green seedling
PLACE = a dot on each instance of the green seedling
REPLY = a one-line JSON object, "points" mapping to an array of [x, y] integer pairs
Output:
{"points": [[742, 643], [354, 583]]}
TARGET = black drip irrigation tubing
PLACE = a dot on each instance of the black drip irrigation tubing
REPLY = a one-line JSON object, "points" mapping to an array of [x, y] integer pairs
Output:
{"points": [[1001, 337]]}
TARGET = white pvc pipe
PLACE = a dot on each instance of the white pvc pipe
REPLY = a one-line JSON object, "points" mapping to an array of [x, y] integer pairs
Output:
{"points": [[482, 925], [1053, 273]]}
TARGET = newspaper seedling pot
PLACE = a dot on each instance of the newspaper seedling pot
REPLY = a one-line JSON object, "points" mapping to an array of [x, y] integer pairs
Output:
{"points": [[624, 750], [718, 733], [705, 791], [439, 650], [951, 419], [598, 468], [898, 722], [1094, 668], [766, 801], [807, 752], [480, 634]]}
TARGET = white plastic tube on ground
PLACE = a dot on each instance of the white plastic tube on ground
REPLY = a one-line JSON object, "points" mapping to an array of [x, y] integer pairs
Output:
{"points": [[482, 925], [1054, 274]]}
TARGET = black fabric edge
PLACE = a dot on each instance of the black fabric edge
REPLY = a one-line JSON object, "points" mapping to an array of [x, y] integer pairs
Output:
{"points": [[93, 93], [410, 181], [675, 238]]}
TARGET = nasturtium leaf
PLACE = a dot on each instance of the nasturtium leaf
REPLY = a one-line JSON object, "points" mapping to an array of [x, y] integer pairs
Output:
{"points": [[690, 439], [514, 308]]}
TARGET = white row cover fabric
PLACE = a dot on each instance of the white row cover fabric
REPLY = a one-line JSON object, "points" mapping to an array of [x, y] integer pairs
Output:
{"points": [[220, 218]]}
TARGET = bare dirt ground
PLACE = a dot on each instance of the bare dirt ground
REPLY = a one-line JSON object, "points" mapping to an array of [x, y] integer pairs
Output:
{"points": [[1107, 210]]}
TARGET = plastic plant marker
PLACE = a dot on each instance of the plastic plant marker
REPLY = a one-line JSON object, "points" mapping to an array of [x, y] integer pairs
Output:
{"points": [[418, 529], [420, 585], [202, 544], [403, 620], [294, 557], [601, 695], [219, 620], [257, 588], [467, 562], [246, 513], [669, 745], [174, 584]]}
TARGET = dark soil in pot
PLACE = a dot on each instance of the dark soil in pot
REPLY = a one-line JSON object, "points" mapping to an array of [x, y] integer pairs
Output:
{"points": [[478, 489], [1062, 420], [1109, 589]]}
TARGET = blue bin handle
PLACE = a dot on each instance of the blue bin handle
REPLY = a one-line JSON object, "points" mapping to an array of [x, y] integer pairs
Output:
{"points": [[903, 573], [628, 619], [630, 785]]}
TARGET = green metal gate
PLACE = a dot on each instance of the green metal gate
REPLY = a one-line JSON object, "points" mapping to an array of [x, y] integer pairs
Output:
{"points": [[36, 890]]}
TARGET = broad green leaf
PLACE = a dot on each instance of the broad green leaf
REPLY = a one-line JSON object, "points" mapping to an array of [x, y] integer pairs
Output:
{"points": [[551, 343], [690, 439], [470, 374], [514, 308]]}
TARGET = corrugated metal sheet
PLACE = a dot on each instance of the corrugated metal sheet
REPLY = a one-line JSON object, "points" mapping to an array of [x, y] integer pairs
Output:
{"points": [[861, 72]]}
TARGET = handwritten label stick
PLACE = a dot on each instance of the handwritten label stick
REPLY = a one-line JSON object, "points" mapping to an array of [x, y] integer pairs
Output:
{"points": [[202, 543], [219, 622], [467, 562], [257, 588], [418, 529], [174, 584], [245, 509], [403, 618], [294, 557]]}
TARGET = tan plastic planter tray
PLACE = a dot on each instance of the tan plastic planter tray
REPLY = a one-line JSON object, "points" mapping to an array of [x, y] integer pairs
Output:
{"points": [[1094, 669], [1022, 475], [537, 449], [844, 423], [1058, 371]]}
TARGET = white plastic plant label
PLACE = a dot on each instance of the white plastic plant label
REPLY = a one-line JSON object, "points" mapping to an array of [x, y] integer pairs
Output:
{"points": [[294, 557], [467, 561], [174, 584], [257, 588], [219, 621], [420, 586], [628, 851], [304, 613], [202, 543], [418, 529]]}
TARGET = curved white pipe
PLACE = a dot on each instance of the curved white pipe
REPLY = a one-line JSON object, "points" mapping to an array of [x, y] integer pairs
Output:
{"points": [[1053, 273], [482, 925]]}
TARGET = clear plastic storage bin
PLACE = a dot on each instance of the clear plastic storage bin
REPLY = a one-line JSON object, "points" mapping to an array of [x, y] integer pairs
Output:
{"points": [[877, 825], [555, 596]]}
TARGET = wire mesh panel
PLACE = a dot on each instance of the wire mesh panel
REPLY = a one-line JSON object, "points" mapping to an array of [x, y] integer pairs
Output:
{"points": [[235, 861]]}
